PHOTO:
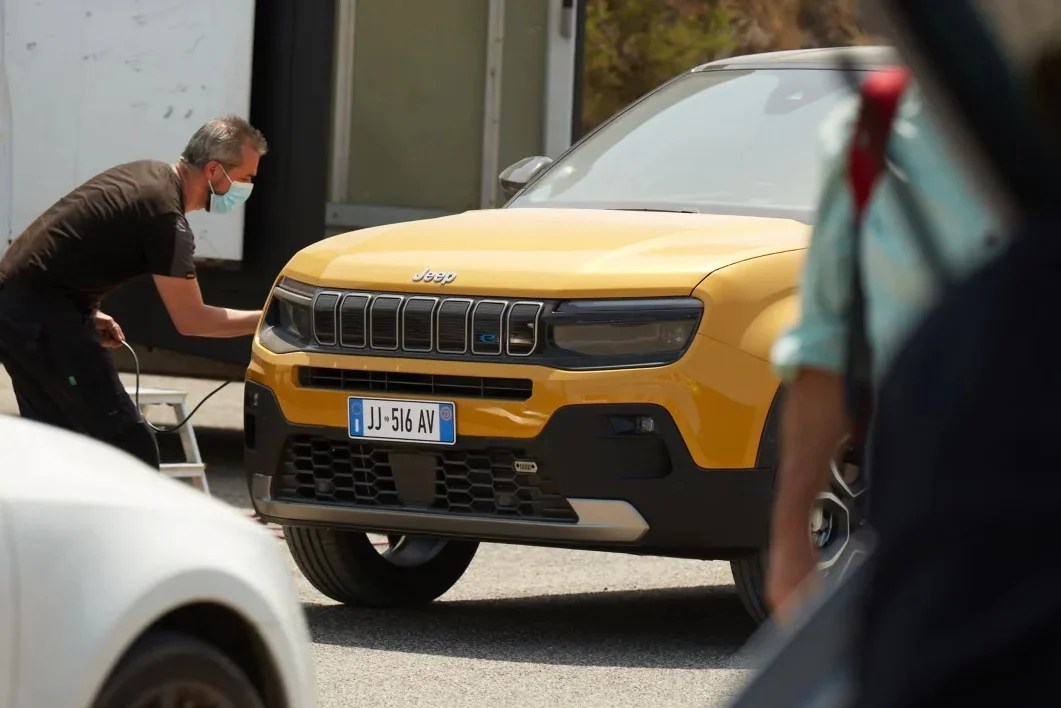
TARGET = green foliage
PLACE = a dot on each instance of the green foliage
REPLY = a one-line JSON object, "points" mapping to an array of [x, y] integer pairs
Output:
{"points": [[632, 46]]}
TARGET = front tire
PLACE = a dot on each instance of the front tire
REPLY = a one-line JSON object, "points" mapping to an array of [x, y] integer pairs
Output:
{"points": [[839, 514], [345, 566], [171, 668], [749, 577]]}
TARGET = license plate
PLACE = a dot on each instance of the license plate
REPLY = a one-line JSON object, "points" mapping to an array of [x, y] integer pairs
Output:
{"points": [[401, 420]]}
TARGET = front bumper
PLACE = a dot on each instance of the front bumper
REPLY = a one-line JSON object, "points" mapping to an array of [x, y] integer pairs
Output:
{"points": [[596, 485]]}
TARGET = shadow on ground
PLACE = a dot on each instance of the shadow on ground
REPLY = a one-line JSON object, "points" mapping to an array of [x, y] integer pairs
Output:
{"points": [[676, 628]]}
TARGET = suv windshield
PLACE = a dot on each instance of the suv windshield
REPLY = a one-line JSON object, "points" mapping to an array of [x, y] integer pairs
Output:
{"points": [[729, 141]]}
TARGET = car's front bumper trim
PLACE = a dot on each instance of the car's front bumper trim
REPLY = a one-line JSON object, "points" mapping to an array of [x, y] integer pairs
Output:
{"points": [[599, 520]]}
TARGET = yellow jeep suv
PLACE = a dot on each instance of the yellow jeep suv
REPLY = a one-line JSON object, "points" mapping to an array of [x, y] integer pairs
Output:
{"points": [[586, 367]]}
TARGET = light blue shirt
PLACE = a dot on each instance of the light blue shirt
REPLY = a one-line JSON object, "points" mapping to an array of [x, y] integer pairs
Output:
{"points": [[898, 286]]}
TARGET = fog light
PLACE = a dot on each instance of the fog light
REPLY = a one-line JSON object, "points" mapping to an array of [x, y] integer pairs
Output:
{"points": [[525, 466], [646, 424]]}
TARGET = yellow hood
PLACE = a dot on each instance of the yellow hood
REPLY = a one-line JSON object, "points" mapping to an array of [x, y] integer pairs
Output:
{"points": [[559, 252]]}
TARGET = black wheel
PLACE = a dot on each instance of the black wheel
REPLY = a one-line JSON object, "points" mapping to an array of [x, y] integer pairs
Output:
{"points": [[837, 516], [171, 669], [749, 577], [406, 570]]}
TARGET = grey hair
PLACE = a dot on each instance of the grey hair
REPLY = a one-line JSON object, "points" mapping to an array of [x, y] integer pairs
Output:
{"points": [[222, 139]]}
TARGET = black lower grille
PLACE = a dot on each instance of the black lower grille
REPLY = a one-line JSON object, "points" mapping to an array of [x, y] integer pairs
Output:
{"points": [[414, 384], [477, 482]]}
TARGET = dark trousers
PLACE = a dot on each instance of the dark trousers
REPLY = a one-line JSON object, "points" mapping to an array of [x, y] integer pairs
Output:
{"points": [[63, 376], [963, 601]]}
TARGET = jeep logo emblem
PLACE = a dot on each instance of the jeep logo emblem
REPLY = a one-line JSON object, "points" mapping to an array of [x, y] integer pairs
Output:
{"points": [[429, 276]]}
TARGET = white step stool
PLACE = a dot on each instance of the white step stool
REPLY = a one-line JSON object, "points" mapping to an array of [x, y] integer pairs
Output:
{"points": [[193, 467]]}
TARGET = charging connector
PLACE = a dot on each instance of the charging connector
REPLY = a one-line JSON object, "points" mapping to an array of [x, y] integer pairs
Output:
{"points": [[179, 425]]}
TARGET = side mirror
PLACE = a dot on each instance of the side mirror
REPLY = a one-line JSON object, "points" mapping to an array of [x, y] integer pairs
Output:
{"points": [[517, 175]]}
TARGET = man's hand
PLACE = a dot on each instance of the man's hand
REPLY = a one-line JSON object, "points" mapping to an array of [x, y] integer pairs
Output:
{"points": [[791, 571], [108, 329]]}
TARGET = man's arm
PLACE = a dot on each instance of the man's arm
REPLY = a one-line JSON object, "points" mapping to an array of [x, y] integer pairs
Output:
{"points": [[194, 318], [810, 359], [813, 423], [170, 250]]}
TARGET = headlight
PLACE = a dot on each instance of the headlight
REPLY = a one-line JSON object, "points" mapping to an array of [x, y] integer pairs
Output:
{"points": [[289, 317], [623, 339], [612, 333]]}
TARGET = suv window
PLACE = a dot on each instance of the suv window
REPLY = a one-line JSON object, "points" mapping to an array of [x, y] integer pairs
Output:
{"points": [[722, 141]]}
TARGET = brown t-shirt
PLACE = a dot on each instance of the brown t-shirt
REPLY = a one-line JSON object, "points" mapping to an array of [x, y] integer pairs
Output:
{"points": [[122, 223]]}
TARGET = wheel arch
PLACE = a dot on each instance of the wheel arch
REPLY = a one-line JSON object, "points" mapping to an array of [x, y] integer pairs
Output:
{"points": [[769, 452], [749, 572], [230, 633]]}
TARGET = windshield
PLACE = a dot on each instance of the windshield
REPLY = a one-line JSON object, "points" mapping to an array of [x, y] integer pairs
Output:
{"points": [[727, 141]]}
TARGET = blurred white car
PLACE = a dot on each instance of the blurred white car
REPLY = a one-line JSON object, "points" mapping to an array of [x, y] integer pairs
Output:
{"points": [[120, 587]]}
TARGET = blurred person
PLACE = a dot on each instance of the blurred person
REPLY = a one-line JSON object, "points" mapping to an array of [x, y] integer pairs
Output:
{"points": [[125, 222], [962, 604], [870, 237], [959, 601]]}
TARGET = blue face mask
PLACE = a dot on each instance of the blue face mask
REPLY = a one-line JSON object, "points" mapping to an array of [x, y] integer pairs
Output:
{"points": [[237, 193]]}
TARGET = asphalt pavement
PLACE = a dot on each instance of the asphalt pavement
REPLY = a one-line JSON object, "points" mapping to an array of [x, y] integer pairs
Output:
{"points": [[523, 627]]}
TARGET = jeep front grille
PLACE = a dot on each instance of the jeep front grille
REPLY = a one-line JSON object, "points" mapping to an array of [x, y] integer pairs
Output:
{"points": [[476, 482], [392, 382], [388, 322]]}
